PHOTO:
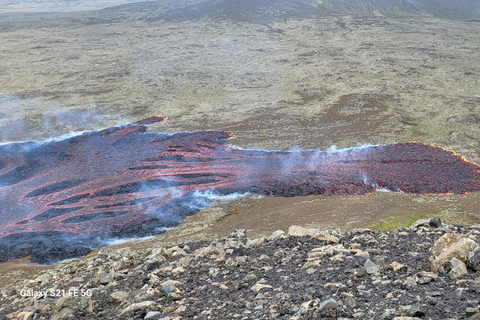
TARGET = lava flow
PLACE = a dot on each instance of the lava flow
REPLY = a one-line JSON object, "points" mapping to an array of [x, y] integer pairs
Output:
{"points": [[60, 199]]}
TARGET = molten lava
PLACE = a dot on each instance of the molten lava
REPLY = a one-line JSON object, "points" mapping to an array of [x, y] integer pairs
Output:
{"points": [[59, 199]]}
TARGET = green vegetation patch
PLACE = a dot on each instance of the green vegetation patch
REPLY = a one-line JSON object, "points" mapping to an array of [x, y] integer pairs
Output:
{"points": [[403, 220]]}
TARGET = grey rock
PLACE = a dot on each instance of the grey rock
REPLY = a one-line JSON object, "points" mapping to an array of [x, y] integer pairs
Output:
{"points": [[411, 282], [435, 222], [169, 287], [417, 310], [420, 223], [370, 267], [389, 314], [431, 300], [328, 304], [7, 292], [119, 296], [70, 304], [105, 280], [458, 268], [174, 296], [470, 311], [152, 314], [473, 261], [476, 284], [279, 234], [238, 234]]}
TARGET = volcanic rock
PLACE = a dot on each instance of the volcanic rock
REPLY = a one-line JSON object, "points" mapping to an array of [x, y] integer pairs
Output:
{"points": [[279, 234], [153, 314], [119, 296], [443, 242], [397, 266], [297, 231], [262, 281], [470, 311], [417, 310], [420, 223], [256, 242], [458, 268], [259, 286], [25, 315], [435, 222], [325, 236], [138, 306], [105, 280], [69, 305], [425, 277], [169, 287], [474, 259], [370, 267], [328, 304], [448, 247]]}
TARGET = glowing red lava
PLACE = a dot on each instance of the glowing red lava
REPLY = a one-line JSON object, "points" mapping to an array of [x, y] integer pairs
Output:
{"points": [[59, 199]]}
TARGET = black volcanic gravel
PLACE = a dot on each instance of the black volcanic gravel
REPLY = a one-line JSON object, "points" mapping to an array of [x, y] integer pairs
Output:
{"points": [[219, 282]]}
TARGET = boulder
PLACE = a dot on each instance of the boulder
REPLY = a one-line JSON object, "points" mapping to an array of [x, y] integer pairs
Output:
{"points": [[450, 246], [297, 231], [443, 242]]}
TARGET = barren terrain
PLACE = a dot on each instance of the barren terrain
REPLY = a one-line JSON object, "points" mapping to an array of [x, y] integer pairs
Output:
{"points": [[296, 83]]}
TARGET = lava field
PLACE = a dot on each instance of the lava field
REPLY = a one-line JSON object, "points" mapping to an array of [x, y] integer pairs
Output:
{"points": [[60, 199]]}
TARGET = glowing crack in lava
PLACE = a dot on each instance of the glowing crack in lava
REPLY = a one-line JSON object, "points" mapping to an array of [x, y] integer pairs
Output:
{"points": [[60, 199]]}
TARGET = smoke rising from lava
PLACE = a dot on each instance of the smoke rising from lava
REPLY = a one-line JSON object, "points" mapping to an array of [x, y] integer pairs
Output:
{"points": [[60, 199]]}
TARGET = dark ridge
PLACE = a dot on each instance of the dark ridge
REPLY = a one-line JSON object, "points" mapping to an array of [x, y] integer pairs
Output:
{"points": [[137, 186], [149, 167], [21, 173], [93, 216], [44, 247], [148, 227], [54, 212], [70, 200], [162, 157], [243, 11], [2, 164], [55, 187], [259, 11], [199, 175], [127, 203]]}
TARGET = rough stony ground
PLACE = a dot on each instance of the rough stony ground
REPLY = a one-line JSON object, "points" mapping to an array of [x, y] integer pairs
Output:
{"points": [[304, 274]]}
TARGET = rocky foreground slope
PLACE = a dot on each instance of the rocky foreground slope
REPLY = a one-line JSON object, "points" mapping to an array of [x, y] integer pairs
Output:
{"points": [[426, 271]]}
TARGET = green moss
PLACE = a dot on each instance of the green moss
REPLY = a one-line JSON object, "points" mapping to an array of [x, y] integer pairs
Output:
{"points": [[402, 220]]}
